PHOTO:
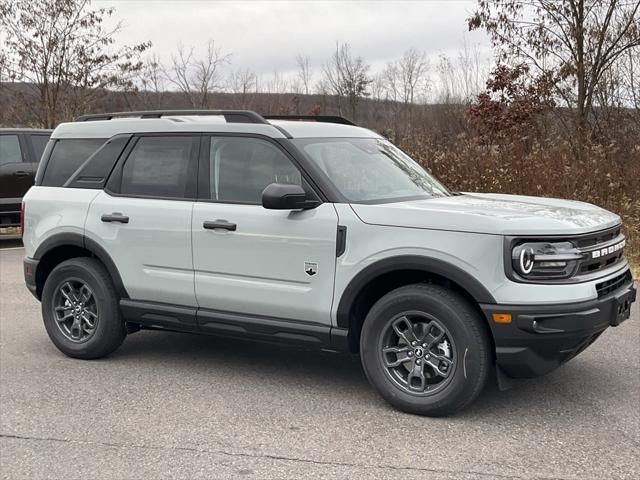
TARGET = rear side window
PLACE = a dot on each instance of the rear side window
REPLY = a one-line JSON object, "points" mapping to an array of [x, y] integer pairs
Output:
{"points": [[9, 149], [38, 142], [161, 167], [66, 157]]}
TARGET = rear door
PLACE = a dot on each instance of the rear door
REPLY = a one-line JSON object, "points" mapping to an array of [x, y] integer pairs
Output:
{"points": [[143, 218], [261, 263]]}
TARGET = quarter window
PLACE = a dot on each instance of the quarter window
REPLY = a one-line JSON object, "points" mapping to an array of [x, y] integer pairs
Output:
{"points": [[160, 167], [240, 168], [66, 158], [9, 149]]}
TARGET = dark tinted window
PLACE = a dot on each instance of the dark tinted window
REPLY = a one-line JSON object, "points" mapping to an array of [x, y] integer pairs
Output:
{"points": [[9, 149], [66, 157], [38, 142], [240, 168], [160, 167]]}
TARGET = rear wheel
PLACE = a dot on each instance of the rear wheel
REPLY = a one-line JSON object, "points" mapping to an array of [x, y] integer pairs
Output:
{"points": [[80, 309], [425, 349]]}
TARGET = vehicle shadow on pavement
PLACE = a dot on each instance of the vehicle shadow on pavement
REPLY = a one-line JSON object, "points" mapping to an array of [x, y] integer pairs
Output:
{"points": [[208, 356]]}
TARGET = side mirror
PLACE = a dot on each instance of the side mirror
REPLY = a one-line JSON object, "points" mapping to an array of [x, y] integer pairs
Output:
{"points": [[280, 196]]}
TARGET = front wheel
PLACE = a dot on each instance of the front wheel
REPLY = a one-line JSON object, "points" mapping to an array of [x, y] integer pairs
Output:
{"points": [[425, 349]]}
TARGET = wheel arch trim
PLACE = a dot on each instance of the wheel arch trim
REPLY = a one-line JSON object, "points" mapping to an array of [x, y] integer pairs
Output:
{"points": [[79, 240], [428, 265]]}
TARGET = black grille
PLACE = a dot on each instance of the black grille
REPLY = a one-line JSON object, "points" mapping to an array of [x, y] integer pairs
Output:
{"points": [[597, 238], [599, 241], [611, 285]]}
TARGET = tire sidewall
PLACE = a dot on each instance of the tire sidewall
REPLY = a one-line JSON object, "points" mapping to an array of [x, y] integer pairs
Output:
{"points": [[468, 347]]}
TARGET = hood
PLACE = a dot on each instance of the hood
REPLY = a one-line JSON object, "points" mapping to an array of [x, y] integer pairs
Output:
{"points": [[491, 213]]}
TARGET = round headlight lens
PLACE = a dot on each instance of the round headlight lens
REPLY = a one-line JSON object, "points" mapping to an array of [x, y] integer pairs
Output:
{"points": [[526, 260]]}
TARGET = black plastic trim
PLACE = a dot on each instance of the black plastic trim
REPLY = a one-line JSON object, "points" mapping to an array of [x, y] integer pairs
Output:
{"points": [[264, 328], [191, 319], [159, 315], [78, 240], [542, 337], [312, 118], [231, 116], [30, 266], [341, 240], [408, 262]]}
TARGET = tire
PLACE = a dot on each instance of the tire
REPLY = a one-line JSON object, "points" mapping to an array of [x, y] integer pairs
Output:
{"points": [[74, 336], [432, 312]]}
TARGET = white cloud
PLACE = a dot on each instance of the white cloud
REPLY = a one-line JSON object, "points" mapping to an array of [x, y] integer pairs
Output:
{"points": [[265, 36]]}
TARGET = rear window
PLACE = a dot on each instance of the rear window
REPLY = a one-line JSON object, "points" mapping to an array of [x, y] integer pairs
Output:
{"points": [[66, 157], [38, 142]]}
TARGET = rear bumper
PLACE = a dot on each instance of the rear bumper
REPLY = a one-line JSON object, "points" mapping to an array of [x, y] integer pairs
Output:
{"points": [[542, 337], [30, 267]]}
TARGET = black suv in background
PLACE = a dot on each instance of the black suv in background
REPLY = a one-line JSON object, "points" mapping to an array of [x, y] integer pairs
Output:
{"points": [[20, 152]]}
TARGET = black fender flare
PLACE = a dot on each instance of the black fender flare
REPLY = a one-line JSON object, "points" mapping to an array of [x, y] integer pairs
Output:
{"points": [[79, 240], [409, 262]]}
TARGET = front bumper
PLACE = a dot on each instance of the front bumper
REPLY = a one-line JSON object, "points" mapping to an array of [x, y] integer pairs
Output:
{"points": [[542, 337]]}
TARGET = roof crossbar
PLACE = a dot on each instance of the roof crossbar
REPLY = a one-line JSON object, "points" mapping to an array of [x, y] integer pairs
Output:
{"points": [[312, 118], [231, 116]]}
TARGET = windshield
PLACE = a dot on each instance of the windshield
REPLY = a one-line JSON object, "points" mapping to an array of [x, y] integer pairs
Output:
{"points": [[370, 170]]}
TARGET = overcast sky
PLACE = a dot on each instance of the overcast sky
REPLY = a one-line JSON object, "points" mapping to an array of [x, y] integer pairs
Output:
{"points": [[266, 35]]}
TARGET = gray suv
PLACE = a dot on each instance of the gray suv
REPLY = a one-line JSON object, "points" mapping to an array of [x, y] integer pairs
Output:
{"points": [[315, 232]]}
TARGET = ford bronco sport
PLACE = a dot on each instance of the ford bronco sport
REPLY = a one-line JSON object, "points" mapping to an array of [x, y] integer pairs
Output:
{"points": [[318, 233]]}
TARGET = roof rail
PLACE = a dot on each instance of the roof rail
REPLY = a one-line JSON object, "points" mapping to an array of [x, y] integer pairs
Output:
{"points": [[311, 118], [231, 116]]}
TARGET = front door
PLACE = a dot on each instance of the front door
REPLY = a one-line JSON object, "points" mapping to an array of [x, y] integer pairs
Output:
{"points": [[248, 260]]}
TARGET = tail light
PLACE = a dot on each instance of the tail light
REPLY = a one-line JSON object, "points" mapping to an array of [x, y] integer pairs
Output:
{"points": [[22, 219]]}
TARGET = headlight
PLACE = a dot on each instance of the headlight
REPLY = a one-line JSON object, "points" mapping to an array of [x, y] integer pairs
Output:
{"points": [[545, 260]]}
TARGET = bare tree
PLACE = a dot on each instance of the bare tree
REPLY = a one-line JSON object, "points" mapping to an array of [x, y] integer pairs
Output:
{"points": [[347, 77], [63, 53], [402, 82], [304, 72], [571, 42], [197, 78], [243, 82], [153, 83]]}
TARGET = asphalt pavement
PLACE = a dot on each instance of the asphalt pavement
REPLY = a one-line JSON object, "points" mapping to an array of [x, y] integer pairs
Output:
{"points": [[168, 405]]}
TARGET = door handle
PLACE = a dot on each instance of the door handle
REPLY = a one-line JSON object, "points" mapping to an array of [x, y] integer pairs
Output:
{"points": [[220, 224], [20, 173], [115, 217]]}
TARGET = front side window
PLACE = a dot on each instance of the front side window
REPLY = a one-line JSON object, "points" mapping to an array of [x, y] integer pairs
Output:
{"points": [[66, 158], [240, 168], [9, 149], [370, 170], [160, 167]]}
